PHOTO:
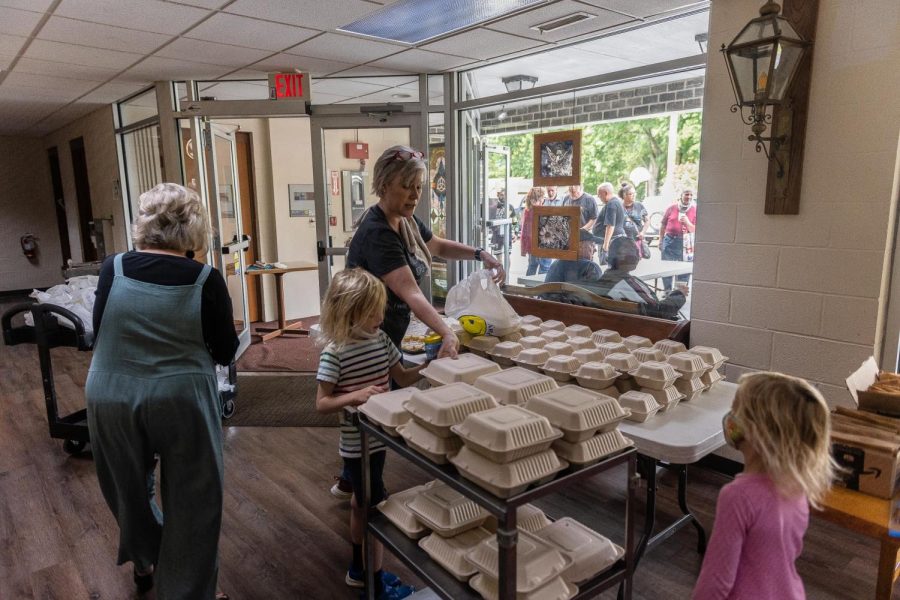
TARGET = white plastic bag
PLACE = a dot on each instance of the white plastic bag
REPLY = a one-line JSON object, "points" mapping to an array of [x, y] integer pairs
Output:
{"points": [[479, 296]]}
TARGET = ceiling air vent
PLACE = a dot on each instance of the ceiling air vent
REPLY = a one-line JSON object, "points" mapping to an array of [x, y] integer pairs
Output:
{"points": [[561, 22]]}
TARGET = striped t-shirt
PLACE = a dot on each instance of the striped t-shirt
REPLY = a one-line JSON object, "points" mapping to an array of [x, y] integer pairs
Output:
{"points": [[352, 367]]}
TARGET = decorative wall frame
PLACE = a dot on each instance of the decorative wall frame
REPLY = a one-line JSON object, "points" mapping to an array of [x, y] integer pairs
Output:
{"points": [[555, 232], [557, 158]]}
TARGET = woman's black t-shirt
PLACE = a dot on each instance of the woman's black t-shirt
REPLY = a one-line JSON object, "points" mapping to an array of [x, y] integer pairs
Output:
{"points": [[379, 250]]}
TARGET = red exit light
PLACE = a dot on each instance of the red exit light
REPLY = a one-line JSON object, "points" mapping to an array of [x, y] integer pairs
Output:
{"points": [[288, 85]]}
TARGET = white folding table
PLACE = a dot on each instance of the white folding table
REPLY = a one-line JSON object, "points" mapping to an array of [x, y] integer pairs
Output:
{"points": [[674, 439]]}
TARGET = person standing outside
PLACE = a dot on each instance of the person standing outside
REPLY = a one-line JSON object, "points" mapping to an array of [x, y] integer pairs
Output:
{"points": [[552, 199], [534, 197], [588, 204], [679, 220], [636, 217], [613, 223]]}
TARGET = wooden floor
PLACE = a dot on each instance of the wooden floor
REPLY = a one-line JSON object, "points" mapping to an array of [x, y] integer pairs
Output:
{"points": [[283, 535]]}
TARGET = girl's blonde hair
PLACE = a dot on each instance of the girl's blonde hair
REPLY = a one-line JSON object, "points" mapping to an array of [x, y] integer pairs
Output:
{"points": [[789, 425], [535, 194], [171, 217], [354, 296]]}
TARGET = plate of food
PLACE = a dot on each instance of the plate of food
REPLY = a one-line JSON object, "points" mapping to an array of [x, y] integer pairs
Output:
{"points": [[413, 344]]}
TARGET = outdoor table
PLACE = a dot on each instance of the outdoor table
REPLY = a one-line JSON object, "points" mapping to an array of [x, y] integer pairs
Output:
{"points": [[268, 333], [674, 439], [648, 269]]}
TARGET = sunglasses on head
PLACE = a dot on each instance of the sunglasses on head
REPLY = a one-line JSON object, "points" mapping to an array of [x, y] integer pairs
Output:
{"points": [[407, 155]]}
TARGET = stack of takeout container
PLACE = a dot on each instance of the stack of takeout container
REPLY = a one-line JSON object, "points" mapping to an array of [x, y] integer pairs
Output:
{"points": [[588, 421], [714, 357], [559, 348], [435, 411], [528, 518], [658, 380], [465, 368], [561, 367], [397, 512], [515, 385], [540, 566], [691, 367], [530, 320], [504, 353], [445, 511], [591, 553], [527, 330], [642, 406], [532, 358], [533, 341], [607, 348], [482, 344], [624, 363], [506, 449], [578, 331], [649, 355], [669, 347], [386, 410], [600, 376], [633, 342], [553, 325], [554, 335], [450, 552], [605, 335], [586, 355], [582, 343], [514, 336]]}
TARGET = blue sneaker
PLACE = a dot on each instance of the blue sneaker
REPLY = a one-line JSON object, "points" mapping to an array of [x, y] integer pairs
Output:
{"points": [[396, 592], [357, 578]]}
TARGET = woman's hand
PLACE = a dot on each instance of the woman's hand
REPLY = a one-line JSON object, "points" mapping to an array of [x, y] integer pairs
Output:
{"points": [[450, 346], [491, 262]]}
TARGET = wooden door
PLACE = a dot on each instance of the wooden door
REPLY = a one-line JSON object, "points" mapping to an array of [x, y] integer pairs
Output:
{"points": [[247, 184]]}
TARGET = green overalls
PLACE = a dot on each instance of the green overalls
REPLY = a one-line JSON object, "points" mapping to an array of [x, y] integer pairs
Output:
{"points": [[151, 390]]}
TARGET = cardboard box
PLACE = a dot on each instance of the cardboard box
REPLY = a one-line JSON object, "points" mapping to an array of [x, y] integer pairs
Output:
{"points": [[859, 382], [870, 466]]}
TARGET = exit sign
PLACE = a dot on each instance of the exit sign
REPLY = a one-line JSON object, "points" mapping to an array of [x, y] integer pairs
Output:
{"points": [[289, 86]]}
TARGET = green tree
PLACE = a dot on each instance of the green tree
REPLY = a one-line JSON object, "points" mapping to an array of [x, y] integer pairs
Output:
{"points": [[521, 153]]}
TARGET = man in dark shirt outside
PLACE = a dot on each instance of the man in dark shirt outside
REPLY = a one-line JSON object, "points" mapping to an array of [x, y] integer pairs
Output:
{"points": [[612, 223], [552, 199], [582, 270], [587, 203]]}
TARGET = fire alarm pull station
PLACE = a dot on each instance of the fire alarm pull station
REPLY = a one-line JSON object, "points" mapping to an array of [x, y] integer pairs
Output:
{"points": [[358, 150]]}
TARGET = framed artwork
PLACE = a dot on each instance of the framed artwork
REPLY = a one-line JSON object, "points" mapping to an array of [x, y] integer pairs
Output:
{"points": [[557, 158], [301, 200], [554, 232], [354, 195]]}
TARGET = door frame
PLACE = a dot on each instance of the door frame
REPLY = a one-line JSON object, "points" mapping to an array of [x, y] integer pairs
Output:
{"points": [[351, 116]]}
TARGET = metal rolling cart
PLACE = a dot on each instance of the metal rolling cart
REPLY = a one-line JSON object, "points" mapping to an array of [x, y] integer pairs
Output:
{"points": [[47, 334], [442, 582]]}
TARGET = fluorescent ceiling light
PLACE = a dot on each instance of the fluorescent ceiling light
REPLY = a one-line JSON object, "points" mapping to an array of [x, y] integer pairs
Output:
{"points": [[415, 21], [561, 22]]}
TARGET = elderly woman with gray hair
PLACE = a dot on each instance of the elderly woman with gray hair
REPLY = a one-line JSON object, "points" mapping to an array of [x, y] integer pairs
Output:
{"points": [[162, 321], [395, 246]]}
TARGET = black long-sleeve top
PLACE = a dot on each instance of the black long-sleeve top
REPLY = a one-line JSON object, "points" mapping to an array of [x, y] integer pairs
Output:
{"points": [[164, 269]]}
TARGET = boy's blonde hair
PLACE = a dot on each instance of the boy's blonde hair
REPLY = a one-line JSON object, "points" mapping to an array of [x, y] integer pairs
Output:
{"points": [[789, 424], [354, 296]]}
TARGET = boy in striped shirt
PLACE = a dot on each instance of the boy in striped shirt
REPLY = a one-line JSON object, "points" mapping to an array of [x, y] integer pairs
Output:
{"points": [[358, 361]]}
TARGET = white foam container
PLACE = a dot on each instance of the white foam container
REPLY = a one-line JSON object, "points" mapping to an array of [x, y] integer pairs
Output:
{"points": [[555, 589], [633, 342], [623, 362], [532, 358], [504, 353], [515, 336], [578, 412], [581, 343], [626, 383], [561, 367], [649, 355], [655, 375], [593, 449], [587, 355], [450, 552], [669, 347], [537, 561], [642, 406], [437, 409], [507, 479], [445, 511], [690, 388], [466, 368], [530, 330], [553, 325], [591, 553], [608, 348], [605, 335], [533, 341], [667, 398], [506, 433], [528, 517], [433, 447], [482, 344], [690, 365], [515, 385], [596, 375], [559, 348], [711, 378], [710, 355], [386, 410], [578, 331], [396, 511], [530, 320], [554, 335]]}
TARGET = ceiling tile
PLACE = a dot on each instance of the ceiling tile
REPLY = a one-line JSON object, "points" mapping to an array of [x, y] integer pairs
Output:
{"points": [[10, 90], [72, 31], [64, 86], [11, 44], [363, 70], [158, 68], [384, 96], [422, 61], [306, 13], [344, 87], [18, 22], [288, 62], [59, 69], [113, 92], [32, 5], [246, 74], [520, 25], [198, 3], [235, 90], [212, 53], [64, 116], [644, 8], [251, 33], [80, 55], [482, 44], [5, 61], [345, 48], [654, 43], [148, 15]]}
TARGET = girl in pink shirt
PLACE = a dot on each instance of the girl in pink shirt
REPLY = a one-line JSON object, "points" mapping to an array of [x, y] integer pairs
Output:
{"points": [[782, 427]]}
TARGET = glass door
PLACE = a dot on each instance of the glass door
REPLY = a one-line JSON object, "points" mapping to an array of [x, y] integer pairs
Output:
{"points": [[343, 185], [496, 202], [229, 241]]}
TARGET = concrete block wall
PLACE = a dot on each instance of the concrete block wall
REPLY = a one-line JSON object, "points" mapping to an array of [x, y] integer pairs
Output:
{"points": [[641, 101], [802, 293]]}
